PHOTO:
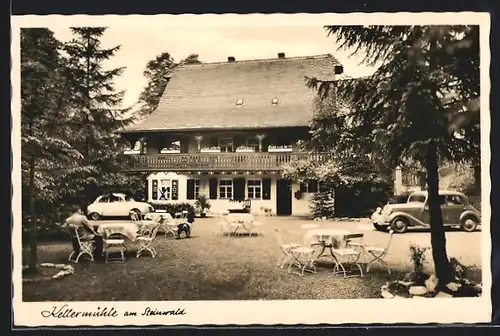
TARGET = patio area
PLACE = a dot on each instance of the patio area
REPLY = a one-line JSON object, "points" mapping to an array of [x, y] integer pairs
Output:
{"points": [[207, 266]]}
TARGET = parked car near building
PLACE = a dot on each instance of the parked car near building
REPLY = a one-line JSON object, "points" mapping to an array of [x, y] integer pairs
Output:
{"points": [[455, 206], [117, 205]]}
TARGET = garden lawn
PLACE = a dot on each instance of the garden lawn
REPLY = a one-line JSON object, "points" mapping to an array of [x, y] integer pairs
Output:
{"points": [[203, 267]]}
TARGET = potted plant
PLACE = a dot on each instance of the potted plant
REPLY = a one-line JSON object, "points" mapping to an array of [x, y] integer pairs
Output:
{"points": [[202, 204]]}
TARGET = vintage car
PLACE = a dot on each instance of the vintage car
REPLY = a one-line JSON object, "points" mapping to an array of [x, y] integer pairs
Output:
{"points": [[455, 206], [117, 205]]}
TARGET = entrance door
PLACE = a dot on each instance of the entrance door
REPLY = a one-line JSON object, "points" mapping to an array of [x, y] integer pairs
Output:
{"points": [[283, 197]]}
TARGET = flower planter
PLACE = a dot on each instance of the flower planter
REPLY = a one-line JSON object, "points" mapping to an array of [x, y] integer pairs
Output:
{"points": [[409, 289], [278, 150], [170, 151], [245, 151], [210, 150]]}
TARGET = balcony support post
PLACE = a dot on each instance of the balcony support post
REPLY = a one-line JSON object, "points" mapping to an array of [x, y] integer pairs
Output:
{"points": [[198, 139], [260, 138]]}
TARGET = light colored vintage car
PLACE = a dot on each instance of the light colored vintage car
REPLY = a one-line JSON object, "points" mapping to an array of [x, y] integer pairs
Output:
{"points": [[117, 205], [455, 206]]}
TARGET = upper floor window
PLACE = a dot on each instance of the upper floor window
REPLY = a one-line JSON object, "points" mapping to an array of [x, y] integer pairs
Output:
{"points": [[253, 143], [254, 189], [226, 189], [226, 145]]}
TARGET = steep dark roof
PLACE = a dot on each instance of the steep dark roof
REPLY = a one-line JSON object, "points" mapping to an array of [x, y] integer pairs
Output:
{"points": [[204, 96]]}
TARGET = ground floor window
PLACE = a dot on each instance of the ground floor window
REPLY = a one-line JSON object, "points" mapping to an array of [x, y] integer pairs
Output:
{"points": [[254, 189], [196, 189], [310, 186], [226, 189]]}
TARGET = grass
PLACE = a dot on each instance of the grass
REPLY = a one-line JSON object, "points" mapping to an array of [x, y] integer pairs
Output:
{"points": [[203, 267]]}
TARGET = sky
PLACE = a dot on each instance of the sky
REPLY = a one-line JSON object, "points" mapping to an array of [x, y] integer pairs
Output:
{"points": [[213, 44]]}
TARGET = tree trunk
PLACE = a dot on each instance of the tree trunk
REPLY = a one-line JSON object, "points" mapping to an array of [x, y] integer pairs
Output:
{"points": [[33, 220], [438, 239]]}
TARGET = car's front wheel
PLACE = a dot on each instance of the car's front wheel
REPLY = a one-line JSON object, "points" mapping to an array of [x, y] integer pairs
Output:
{"points": [[135, 214], [379, 227], [469, 224], [399, 225], [94, 216]]}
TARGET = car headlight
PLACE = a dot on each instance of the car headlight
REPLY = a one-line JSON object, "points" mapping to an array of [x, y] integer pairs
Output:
{"points": [[151, 209]]}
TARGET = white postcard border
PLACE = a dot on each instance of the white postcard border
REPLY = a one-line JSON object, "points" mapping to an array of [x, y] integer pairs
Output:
{"points": [[291, 312]]}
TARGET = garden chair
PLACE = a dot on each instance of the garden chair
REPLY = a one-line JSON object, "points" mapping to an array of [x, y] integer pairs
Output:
{"points": [[378, 254], [227, 228], [346, 258], [113, 243], [84, 247], [355, 241], [295, 255], [306, 227], [255, 227], [145, 238]]}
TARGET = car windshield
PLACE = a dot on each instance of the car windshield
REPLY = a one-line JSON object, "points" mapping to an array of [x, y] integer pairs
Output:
{"points": [[128, 198], [417, 198]]}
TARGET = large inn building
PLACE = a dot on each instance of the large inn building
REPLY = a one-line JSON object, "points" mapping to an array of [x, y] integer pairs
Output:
{"points": [[225, 130]]}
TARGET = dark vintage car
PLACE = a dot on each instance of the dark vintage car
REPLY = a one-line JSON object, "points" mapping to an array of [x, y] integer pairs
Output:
{"points": [[455, 206]]}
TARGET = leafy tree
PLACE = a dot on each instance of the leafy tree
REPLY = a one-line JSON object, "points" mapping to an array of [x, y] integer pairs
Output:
{"points": [[421, 104], [44, 149], [97, 114], [157, 73]]}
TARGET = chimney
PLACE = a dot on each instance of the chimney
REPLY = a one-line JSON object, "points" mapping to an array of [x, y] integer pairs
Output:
{"points": [[231, 59], [281, 55], [339, 69]]}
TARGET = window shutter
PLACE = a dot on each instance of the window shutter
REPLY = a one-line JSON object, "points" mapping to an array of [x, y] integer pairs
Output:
{"points": [[302, 187], [190, 189], [313, 186], [266, 188], [146, 191], [154, 192], [212, 184], [175, 190], [239, 189]]}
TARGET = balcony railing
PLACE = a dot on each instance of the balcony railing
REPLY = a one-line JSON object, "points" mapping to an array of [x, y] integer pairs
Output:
{"points": [[217, 161]]}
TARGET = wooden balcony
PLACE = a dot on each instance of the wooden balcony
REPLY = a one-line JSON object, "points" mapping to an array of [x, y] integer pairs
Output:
{"points": [[217, 161]]}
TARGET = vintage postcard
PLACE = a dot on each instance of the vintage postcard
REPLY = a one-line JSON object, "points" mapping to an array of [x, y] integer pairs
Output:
{"points": [[251, 169]]}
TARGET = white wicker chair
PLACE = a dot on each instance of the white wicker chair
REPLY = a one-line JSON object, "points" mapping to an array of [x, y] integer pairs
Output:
{"points": [[113, 243], [85, 247], [378, 254], [296, 255], [145, 238]]}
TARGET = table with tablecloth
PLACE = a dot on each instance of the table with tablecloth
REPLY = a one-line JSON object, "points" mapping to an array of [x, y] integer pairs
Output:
{"points": [[128, 230], [328, 239], [241, 221]]}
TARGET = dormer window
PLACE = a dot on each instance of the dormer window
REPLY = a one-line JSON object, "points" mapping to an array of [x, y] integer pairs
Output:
{"points": [[274, 101], [239, 102]]}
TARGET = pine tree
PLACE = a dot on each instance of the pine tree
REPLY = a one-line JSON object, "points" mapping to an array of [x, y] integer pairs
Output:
{"points": [[98, 113], [157, 73], [44, 150], [420, 104]]}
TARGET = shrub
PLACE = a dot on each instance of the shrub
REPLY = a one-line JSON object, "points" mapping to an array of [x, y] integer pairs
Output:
{"points": [[202, 203], [173, 208], [323, 204], [417, 255]]}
